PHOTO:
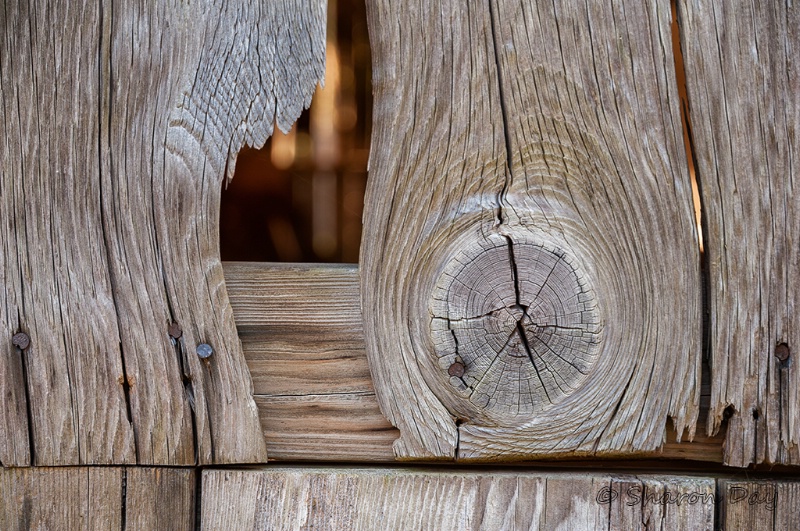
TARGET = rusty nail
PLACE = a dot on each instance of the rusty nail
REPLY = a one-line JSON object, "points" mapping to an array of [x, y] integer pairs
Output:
{"points": [[175, 331], [21, 340], [204, 350], [782, 352], [456, 369]]}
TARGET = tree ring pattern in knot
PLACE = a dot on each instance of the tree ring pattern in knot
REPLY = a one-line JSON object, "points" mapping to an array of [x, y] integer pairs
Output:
{"points": [[521, 317]]}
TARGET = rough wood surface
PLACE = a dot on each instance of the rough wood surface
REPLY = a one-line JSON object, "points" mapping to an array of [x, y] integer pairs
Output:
{"points": [[160, 498], [742, 64], [759, 505], [301, 331], [99, 498], [530, 268], [120, 122], [328, 499], [300, 326]]}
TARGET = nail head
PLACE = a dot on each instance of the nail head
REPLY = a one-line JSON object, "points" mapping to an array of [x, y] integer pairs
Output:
{"points": [[204, 350], [21, 340], [456, 369], [175, 331], [782, 352]]}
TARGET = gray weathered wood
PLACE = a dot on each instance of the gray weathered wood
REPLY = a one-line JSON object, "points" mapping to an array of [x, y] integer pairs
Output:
{"points": [[160, 498], [301, 331], [530, 268], [99, 498], [356, 499], [61, 498], [759, 505], [120, 123], [743, 83], [300, 326]]}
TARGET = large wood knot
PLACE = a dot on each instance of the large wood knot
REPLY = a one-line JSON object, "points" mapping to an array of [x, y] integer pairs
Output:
{"points": [[517, 317]]}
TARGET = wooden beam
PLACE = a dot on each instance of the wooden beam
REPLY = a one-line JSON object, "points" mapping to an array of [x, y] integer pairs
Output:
{"points": [[302, 336], [759, 505], [742, 81], [99, 498], [366, 499], [118, 135], [529, 261]]}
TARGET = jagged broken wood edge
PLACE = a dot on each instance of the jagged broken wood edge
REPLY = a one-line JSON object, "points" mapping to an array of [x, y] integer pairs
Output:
{"points": [[110, 222]]}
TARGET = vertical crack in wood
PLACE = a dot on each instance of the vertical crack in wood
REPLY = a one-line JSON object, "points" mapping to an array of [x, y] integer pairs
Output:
{"points": [[26, 384], [126, 390], [520, 329], [501, 199], [124, 501], [691, 160], [189, 392], [719, 506], [198, 498]]}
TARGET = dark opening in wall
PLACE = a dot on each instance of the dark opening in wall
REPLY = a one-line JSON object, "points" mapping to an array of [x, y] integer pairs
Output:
{"points": [[300, 197]]}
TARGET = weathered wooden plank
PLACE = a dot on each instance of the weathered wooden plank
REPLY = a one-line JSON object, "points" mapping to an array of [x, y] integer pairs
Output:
{"points": [[742, 63], [61, 498], [120, 123], [15, 438], [759, 505], [524, 242], [272, 296], [97, 498], [292, 316], [160, 498], [310, 373], [316, 498], [57, 286], [326, 427]]}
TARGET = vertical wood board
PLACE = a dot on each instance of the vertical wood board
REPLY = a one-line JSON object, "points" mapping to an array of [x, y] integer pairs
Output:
{"points": [[121, 122], [530, 269], [742, 64]]}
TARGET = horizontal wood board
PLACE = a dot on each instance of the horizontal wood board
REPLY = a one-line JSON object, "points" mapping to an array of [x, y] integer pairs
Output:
{"points": [[367, 498], [102, 498], [336, 498], [303, 340]]}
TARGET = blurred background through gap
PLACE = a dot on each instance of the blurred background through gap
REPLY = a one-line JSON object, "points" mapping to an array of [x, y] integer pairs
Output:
{"points": [[300, 197]]}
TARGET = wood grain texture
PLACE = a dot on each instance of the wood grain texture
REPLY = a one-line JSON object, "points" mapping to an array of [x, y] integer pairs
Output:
{"points": [[120, 123], [328, 499], [97, 498], [303, 339], [530, 268], [57, 286], [160, 498], [61, 498], [759, 505], [300, 327], [742, 64]]}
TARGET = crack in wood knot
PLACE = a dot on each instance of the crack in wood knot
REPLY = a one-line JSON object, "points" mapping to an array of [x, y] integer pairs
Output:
{"points": [[519, 315]]}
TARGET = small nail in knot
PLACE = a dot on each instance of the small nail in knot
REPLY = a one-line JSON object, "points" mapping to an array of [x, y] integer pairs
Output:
{"points": [[456, 369]]}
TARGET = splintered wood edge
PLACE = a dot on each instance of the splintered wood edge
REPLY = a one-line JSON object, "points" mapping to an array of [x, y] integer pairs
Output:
{"points": [[303, 339]]}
